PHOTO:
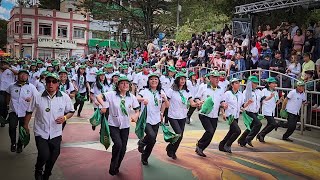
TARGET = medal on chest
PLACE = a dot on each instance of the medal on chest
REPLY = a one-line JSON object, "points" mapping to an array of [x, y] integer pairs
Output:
{"points": [[47, 109]]}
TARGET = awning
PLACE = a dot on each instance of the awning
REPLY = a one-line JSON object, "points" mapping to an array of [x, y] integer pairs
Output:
{"points": [[105, 42]]}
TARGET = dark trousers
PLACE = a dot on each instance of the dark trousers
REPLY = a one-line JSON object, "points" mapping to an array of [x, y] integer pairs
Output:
{"points": [[120, 140], [149, 139], [13, 123], [190, 112], [269, 127], [292, 123], [3, 105], [79, 102], [48, 153], [247, 135], [88, 92], [233, 133], [166, 118], [178, 127], [210, 125]]}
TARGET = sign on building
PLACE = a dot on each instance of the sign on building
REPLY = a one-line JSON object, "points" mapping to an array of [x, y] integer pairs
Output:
{"points": [[57, 43]]}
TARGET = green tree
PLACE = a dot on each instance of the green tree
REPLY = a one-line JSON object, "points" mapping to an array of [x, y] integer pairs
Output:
{"points": [[50, 4]]}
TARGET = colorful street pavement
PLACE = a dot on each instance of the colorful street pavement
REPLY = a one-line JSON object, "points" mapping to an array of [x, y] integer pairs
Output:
{"points": [[84, 158]]}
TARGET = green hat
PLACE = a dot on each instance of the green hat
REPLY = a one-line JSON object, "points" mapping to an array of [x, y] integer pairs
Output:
{"points": [[39, 62], [98, 73], [53, 75], [191, 74], [153, 75], [63, 71], [125, 63], [145, 64], [300, 83], [180, 74], [124, 67], [139, 66], [44, 73], [123, 78], [271, 80], [184, 70], [55, 64], [82, 67], [223, 73], [33, 64], [23, 71], [25, 66], [164, 72], [68, 66], [153, 66], [253, 79], [214, 73], [108, 65], [234, 80], [115, 74], [172, 69]]}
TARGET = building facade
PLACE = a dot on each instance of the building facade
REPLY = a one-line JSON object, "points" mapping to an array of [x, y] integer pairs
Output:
{"points": [[42, 33]]}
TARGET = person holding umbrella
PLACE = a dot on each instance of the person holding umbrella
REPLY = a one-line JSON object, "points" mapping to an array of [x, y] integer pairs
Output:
{"points": [[155, 100], [119, 103], [52, 108]]}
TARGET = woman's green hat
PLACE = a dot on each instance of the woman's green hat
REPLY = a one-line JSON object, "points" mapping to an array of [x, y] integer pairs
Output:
{"points": [[253, 79], [63, 71], [123, 78], [191, 74], [33, 64], [271, 80], [98, 73], [44, 73], [108, 65], [213, 73], [153, 75], [172, 69], [300, 83], [82, 67], [180, 74], [145, 64], [115, 74], [69, 66], [234, 80], [125, 67], [223, 73], [184, 70]]}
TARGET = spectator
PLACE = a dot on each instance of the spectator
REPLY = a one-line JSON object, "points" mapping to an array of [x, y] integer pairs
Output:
{"points": [[277, 64], [237, 65], [294, 29], [294, 68], [317, 39], [298, 41], [259, 32], [268, 31], [265, 64], [285, 43], [265, 51], [318, 68], [309, 43], [308, 65]]}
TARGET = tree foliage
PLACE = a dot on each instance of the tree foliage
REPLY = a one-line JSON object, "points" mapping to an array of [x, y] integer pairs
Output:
{"points": [[50, 4], [3, 31]]}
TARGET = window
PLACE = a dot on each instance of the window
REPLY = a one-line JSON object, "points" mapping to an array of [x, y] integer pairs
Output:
{"points": [[78, 33], [26, 28], [45, 29], [96, 35], [16, 27], [62, 31], [70, 9]]}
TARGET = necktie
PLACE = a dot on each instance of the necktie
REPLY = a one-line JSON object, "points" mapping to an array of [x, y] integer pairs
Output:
{"points": [[62, 88], [123, 106], [183, 99], [155, 98]]}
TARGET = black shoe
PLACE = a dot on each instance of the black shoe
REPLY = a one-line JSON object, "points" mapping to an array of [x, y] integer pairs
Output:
{"points": [[19, 149], [13, 148], [260, 138], [276, 127], [113, 172], [45, 177], [93, 128], [169, 154], [221, 145], [250, 143], [38, 175], [188, 120], [227, 149], [140, 146], [144, 161], [3, 125], [200, 152], [287, 139], [242, 144], [174, 156]]}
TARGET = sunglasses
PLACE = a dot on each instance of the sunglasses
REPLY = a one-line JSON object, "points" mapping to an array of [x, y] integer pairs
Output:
{"points": [[51, 81]]}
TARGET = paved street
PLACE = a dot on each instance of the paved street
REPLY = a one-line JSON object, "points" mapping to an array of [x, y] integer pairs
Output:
{"points": [[84, 158]]}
